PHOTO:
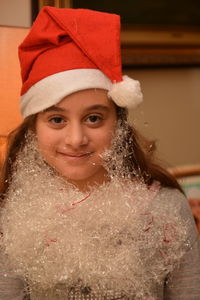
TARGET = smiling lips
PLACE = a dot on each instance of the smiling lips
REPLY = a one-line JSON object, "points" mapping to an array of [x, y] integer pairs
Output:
{"points": [[76, 156]]}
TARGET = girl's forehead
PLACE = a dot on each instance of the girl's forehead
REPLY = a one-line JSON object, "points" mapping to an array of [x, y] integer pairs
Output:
{"points": [[85, 100], [82, 103]]}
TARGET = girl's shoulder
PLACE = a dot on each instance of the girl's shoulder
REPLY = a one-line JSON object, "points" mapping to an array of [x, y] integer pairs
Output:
{"points": [[174, 205], [172, 198]]}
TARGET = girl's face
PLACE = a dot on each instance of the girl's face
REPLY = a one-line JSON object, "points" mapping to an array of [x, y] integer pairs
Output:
{"points": [[74, 133]]}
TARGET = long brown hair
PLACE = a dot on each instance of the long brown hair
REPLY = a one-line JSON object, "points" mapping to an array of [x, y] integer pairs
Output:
{"points": [[15, 142], [142, 159]]}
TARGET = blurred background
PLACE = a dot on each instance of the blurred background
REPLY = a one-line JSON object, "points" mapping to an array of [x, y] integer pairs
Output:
{"points": [[160, 47]]}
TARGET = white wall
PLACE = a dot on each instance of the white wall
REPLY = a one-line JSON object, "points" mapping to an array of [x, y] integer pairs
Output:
{"points": [[15, 13], [171, 112]]}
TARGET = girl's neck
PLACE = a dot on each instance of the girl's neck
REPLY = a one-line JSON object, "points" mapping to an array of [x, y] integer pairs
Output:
{"points": [[95, 181]]}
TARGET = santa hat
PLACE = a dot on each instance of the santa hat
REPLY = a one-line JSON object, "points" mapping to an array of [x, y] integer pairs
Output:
{"points": [[68, 50]]}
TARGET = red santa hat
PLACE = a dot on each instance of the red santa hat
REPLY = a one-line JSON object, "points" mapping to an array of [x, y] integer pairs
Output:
{"points": [[68, 50]]}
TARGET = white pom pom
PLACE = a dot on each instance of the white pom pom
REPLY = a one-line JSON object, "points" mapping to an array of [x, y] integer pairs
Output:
{"points": [[126, 93]]}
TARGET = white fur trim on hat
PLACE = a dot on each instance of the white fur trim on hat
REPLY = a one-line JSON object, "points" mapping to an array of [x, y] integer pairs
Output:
{"points": [[126, 93], [52, 89]]}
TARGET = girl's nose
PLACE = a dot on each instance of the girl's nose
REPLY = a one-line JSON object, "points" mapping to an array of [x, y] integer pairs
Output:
{"points": [[76, 136]]}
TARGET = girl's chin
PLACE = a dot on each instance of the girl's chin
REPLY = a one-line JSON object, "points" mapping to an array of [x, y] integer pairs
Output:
{"points": [[81, 178]]}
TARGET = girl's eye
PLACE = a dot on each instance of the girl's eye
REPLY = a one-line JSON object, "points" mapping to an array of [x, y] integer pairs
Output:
{"points": [[56, 120], [94, 119]]}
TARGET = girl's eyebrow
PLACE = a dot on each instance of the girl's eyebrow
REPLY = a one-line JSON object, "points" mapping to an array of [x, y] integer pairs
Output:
{"points": [[93, 107], [53, 108], [97, 107]]}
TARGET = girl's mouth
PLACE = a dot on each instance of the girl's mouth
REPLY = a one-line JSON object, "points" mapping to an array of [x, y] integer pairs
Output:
{"points": [[76, 156]]}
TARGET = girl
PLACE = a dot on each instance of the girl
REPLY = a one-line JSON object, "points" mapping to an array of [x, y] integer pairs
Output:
{"points": [[86, 213]]}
